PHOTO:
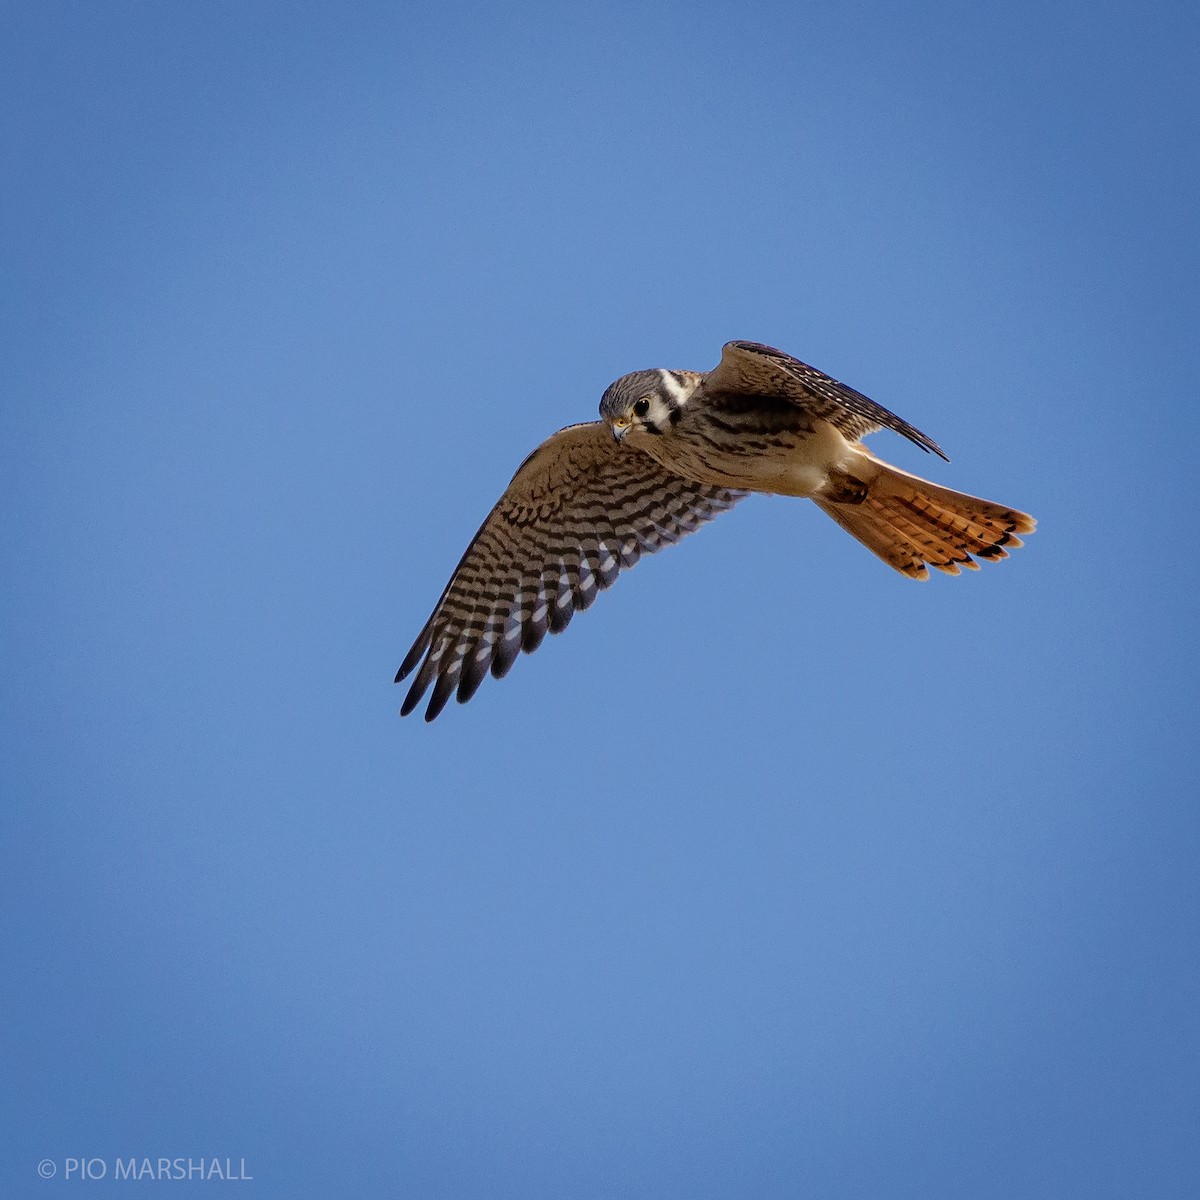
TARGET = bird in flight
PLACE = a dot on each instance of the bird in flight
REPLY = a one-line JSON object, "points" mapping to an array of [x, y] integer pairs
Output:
{"points": [[671, 450]]}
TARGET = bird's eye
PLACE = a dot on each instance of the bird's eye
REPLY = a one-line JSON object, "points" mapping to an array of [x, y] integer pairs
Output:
{"points": [[641, 408]]}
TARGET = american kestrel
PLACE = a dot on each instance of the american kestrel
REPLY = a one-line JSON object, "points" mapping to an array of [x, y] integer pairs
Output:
{"points": [[672, 450]]}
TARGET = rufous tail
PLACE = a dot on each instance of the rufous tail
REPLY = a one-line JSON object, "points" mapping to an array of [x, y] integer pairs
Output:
{"points": [[913, 524]]}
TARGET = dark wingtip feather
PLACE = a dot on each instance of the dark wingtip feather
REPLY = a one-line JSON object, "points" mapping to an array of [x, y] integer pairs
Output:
{"points": [[442, 691], [505, 655], [413, 656], [475, 671], [414, 697], [534, 633], [921, 439]]}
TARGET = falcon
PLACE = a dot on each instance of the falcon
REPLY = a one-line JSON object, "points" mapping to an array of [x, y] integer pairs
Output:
{"points": [[672, 450]]}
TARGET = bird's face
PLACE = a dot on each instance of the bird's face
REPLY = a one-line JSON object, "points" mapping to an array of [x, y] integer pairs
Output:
{"points": [[646, 402]]}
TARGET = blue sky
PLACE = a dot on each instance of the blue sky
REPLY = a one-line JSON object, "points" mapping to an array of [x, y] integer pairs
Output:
{"points": [[777, 874]]}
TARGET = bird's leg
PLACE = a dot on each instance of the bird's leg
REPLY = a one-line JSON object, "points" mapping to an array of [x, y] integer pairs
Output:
{"points": [[844, 488]]}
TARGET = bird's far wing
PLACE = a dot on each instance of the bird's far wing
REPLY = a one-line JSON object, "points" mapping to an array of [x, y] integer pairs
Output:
{"points": [[579, 509], [748, 367]]}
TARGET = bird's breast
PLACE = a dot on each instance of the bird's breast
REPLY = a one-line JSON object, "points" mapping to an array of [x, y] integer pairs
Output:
{"points": [[762, 447]]}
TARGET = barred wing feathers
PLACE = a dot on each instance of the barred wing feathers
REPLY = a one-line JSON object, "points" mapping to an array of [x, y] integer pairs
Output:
{"points": [[579, 510], [750, 367]]}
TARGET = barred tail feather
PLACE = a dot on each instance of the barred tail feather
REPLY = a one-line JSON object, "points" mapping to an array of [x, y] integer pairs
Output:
{"points": [[913, 524]]}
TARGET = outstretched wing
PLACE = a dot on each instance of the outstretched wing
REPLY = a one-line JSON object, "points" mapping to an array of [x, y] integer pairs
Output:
{"points": [[579, 509], [748, 367]]}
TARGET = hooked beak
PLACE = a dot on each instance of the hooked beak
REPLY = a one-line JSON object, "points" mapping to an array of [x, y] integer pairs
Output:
{"points": [[619, 430]]}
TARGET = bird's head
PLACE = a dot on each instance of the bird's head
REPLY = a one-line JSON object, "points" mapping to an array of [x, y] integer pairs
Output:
{"points": [[645, 402]]}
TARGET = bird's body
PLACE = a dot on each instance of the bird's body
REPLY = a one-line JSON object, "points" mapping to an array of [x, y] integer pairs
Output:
{"points": [[672, 450], [758, 443]]}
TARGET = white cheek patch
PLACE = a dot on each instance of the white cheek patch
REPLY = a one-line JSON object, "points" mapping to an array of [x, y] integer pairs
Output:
{"points": [[673, 387]]}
